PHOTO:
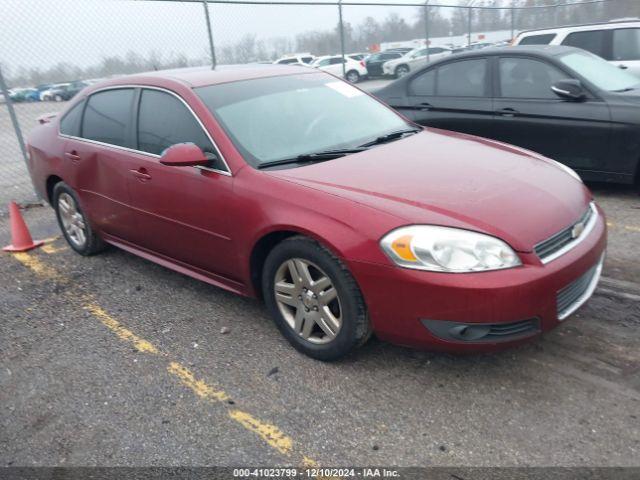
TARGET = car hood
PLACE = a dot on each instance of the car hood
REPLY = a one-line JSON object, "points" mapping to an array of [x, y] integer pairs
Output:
{"points": [[445, 178]]}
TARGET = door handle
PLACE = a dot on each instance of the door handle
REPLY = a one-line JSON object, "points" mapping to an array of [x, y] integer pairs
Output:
{"points": [[507, 112], [72, 155], [424, 106], [141, 174], [622, 67]]}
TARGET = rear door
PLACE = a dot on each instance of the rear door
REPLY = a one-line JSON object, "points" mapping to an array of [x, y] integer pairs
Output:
{"points": [[454, 96], [181, 212], [98, 153], [530, 115], [626, 49]]}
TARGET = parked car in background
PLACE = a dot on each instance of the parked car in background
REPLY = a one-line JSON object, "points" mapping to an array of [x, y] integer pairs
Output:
{"points": [[24, 95], [295, 59], [48, 94], [413, 60], [562, 102], [354, 70], [401, 50], [617, 42], [375, 61], [66, 91], [358, 56], [265, 180]]}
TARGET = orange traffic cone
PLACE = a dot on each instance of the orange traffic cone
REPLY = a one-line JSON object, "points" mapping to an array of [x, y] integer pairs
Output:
{"points": [[20, 237]]}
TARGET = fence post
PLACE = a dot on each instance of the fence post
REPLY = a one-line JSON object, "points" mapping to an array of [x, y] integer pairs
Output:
{"points": [[341, 27], [469, 10], [14, 119], [426, 27], [210, 33], [513, 20]]}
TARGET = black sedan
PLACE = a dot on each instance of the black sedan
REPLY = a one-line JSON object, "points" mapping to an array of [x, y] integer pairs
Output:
{"points": [[562, 102], [375, 61]]}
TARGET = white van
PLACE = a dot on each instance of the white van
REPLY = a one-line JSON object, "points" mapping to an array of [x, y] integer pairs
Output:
{"points": [[618, 41]]}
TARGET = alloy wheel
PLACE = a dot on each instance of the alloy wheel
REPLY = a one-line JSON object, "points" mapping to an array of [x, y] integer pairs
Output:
{"points": [[402, 71], [353, 77], [308, 300], [72, 219]]}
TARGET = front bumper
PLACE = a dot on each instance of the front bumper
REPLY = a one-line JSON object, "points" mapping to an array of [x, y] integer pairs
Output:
{"points": [[404, 304]]}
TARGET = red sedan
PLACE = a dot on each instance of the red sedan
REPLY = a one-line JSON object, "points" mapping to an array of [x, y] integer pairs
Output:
{"points": [[289, 184]]}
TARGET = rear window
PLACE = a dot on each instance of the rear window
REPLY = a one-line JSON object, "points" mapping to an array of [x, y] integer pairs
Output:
{"points": [[544, 39], [70, 123], [592, 41], [626, 44], [107, 117]]}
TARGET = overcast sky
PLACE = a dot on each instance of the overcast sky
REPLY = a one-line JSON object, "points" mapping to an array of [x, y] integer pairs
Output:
{"points": [[40, 34]]}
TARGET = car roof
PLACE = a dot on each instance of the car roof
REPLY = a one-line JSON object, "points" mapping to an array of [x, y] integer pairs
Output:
{"points": [[538, 50], [203, 76], [623, 23]]}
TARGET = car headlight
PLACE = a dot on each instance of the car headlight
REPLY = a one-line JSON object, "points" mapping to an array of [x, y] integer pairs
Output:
{"points": [[568, 170], [445, 249]]}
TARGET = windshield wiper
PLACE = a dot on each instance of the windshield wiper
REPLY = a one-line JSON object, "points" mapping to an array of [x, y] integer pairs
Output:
{"points": [[390, 136], [628, 89], [312, 157]]}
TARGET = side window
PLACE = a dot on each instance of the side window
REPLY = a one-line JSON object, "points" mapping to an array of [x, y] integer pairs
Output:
{"points": [[163, 120], [70, 123], [336, 61], [626, 44], [592, 41], [424, 84], [324, 62], [107, 117], [307, 59], [466, 78], [527, 78], [544, 39]]}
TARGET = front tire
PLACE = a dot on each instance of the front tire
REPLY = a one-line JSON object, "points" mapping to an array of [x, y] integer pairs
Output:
{"points": [[352, 76], [72, 221], [313, 299], [401, 71]]}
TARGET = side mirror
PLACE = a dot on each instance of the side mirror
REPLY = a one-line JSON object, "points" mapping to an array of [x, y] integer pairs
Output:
{"points": [[570, 89], [184, 155]]}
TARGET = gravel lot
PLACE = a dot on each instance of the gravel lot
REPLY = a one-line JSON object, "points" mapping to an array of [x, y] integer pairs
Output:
{"points": [[113, 360]]}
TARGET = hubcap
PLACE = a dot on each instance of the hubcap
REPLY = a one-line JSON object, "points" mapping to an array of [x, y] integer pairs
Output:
{"points": [[308, 301], [72, 220], [402, 71], [352, 77]]}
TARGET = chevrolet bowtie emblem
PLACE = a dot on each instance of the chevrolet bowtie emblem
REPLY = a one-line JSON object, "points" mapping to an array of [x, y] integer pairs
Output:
{"points": [[577, 230]]}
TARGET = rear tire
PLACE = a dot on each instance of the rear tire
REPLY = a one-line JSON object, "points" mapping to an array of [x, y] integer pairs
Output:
{"points": [[352, 76], [73, 222], [322, 313]]}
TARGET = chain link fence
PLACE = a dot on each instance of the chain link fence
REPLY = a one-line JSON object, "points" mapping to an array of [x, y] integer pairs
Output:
{"points": [[76, 42]]}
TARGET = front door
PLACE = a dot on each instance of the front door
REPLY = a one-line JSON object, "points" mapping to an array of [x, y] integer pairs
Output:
{"points": [[181, 211], [530, 115]]}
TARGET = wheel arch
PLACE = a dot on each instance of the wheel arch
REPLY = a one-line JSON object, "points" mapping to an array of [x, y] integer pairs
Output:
{"points": [[52, 181], [267, 241]]}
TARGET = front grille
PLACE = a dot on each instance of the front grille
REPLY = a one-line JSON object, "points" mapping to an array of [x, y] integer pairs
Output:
{"points": [[576, 293], [508, 330], [549, 248]]}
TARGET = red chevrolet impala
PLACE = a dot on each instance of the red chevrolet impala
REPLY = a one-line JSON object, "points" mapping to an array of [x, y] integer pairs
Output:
{"points": [[289, 184]]}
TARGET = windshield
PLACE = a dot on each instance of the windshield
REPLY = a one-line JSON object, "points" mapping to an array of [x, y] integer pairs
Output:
{"points": [[600, 72], [283, 117]]}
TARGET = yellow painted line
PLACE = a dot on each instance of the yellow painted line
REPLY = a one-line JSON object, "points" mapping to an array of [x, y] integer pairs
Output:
{"points": [[269, 433], [50, 249], [37, 266], [630, 228], [123, 333], [199, 387]]}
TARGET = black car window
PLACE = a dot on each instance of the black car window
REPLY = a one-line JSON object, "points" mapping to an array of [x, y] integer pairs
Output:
{"points": [[389, 56], [336, 61], [592, 41], [462, 79], [528, 78], [424, 84], [70, 123], [163, 120], [626, 44], [107, 116], [544, 39]]}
